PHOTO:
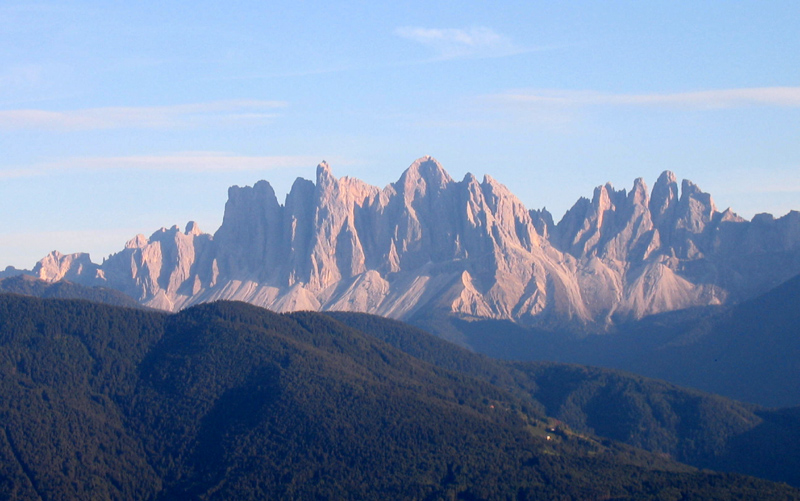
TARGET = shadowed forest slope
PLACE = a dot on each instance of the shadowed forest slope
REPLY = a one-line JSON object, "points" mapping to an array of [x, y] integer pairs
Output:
{"points": [[226, 400]]}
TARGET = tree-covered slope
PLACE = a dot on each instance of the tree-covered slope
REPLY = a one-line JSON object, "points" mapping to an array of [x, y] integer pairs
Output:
{"points": [[228, 401], [694, 427], [64, 366]]}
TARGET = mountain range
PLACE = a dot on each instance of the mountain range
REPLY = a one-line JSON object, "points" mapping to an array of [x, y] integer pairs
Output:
{"points": [[470, 248]]}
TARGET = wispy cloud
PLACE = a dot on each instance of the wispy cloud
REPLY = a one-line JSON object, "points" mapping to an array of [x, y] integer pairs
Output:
{"points": [[144, 117], [458, 43], [196, 161], [18, 172], [193, 161], [710, 99]]}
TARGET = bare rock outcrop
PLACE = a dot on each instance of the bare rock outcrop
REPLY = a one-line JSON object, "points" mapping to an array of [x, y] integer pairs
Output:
{"points": [[468, 247], [57, 266]]}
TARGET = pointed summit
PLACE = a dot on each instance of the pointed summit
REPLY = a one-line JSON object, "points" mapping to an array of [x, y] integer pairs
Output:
{"points": [[192, 229], [690, 191], [494, 185], [664, 197], [324, 175], [695, 208], [638, 195], [667, 177], [428, 171]]}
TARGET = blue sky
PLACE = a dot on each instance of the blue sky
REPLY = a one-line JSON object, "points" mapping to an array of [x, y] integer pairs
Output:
{"points": [[118, 118]]}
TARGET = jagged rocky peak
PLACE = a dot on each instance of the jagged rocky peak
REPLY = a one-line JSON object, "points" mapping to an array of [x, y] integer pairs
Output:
{"points": [[496, 192], [260, 194], [607, 198], [728, 216], [664, 197], [632, 226], [543, 221], [424, 173], [588, 223], [695, 208], [324, 175], [193, 229], [509, 213], [299, 202], [57, 266], [161, 232], [691, 192], [250, 202], [323, 168], [345, 190], [136, 242], [426, 241], [638, 195]]}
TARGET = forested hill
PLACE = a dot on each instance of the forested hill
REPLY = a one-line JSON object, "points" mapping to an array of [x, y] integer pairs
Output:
{"points": [[694, 427], [229, 401]]}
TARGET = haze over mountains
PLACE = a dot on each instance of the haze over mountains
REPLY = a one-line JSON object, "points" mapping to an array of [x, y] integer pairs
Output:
{"points": [[469, 247]]}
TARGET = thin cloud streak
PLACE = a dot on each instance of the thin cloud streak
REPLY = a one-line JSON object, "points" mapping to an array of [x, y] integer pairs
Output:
{"points": [[144, 117], [7, 174], [195, 161], [475, 43], [712, 99], [286, 74], [452, 43]]}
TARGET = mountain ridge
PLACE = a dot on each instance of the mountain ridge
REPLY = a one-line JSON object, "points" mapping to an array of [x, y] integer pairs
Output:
{"points": [[466, 247]]}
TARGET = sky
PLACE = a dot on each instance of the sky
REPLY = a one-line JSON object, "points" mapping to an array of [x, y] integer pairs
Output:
{"points": [[119, 118]]}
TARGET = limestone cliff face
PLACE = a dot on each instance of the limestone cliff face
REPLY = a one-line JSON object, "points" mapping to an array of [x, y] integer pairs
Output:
{"points": [[162, 271], [468, 247], [672, 250], [74, 267]]}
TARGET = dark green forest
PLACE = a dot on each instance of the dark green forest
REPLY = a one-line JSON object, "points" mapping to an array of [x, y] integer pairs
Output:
{"points": [[697, 428], [230, 401]]}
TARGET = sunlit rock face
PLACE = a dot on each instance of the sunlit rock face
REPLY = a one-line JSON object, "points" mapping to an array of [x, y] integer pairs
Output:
{"points": [[469, 247]]}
